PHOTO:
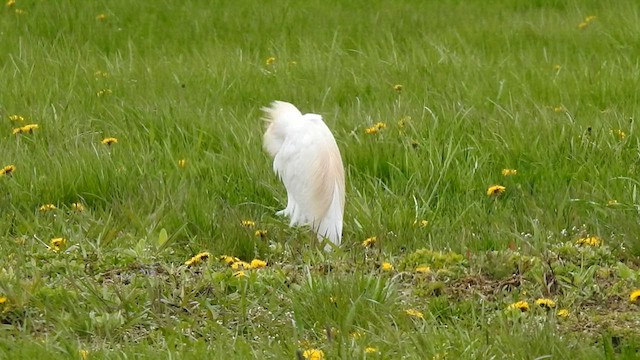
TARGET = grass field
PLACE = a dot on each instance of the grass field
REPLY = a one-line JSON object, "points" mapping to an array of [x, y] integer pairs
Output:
{"points": [[94, 237]]}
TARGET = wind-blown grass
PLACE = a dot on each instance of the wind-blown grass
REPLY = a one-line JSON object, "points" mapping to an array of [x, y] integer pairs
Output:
{"points": [[484, 86]]}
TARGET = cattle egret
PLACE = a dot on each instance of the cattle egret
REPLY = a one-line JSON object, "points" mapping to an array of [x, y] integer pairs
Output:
{"points": [[307, 160]]}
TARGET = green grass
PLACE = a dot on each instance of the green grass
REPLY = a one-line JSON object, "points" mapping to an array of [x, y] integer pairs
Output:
{"points": [[486, 85]]}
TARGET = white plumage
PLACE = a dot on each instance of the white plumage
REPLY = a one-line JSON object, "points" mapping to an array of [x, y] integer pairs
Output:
{"points": [[307, 160]]}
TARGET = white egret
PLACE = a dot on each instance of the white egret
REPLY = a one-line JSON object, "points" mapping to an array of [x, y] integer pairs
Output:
{"points": [[307, 160]]}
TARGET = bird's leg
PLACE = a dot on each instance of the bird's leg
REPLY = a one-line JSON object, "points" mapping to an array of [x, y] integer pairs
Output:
{"points": [[289, 209]]}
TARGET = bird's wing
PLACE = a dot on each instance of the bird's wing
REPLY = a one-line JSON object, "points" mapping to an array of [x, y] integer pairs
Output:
{"points": [[310, 167]]}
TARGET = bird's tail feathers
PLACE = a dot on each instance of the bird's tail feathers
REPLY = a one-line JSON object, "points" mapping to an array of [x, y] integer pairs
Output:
{"points": [[331, 224]]}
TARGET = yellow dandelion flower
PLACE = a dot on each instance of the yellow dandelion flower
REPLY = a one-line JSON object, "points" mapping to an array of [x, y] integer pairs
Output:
{"points": [[11, 3], [397, 88], [589, 18], [16, 118], [257, 264], [634, 296], [356, 334], [101, 17], [370, 242], [3, 300], [557, 67], [7, 170], [57, 244], [371, 130], [403, 121], [558, 109], [109, 141], [370, 350], [182, 163], [414, 313], [240, 274], [386, 266], [423, 269], [375, 128], [583, 25], [496, 190], [29, 128], [546, 303], [509, 172], [421, 223], [191, 262], [197, 259], [47, 207], [104, 92], [228, 259], [261, 233], [520, 305], [84, 354], [204, 255], [270, 60], [313, 354], [241, 265], [592, 241], [563, 313], [619, 133], [25, 129], [76, 206], [248, 223]]}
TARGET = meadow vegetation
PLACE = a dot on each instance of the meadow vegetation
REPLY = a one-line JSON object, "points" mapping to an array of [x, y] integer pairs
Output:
{"points": [[492, 180]]}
